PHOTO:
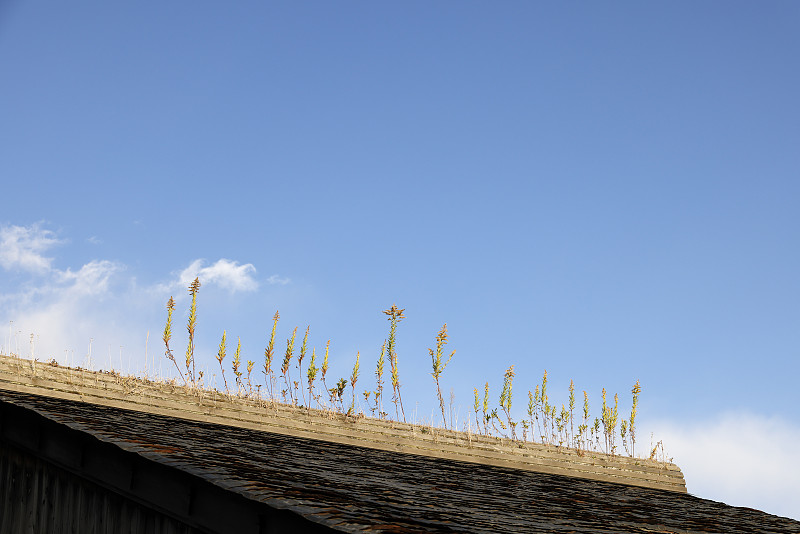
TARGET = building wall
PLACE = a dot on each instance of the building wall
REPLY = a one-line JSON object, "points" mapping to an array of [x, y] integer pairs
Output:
{"points": [[38, 497]]}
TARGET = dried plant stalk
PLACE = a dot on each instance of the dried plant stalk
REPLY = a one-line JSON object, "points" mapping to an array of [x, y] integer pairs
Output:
{"points": [[220, 357], [194, 287], [395, 316], [168, 336], [438, 366], [269, 353]]}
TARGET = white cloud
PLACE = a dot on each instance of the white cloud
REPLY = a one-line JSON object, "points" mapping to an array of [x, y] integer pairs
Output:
{"points": [[92, 279], [94, 240], [65, 309], [22, 247], [275, 279], [224, 273], [740, 459]]}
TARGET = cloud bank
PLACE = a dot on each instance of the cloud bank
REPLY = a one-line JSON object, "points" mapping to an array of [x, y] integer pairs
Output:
{"points": [[22, 248], [98, 303]]}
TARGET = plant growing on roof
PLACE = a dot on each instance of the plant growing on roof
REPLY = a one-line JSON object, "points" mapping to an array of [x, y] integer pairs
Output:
{"points": [[537, 401], [379, 382], [571, 412], [325, 365], [302, 355], [476, 407], [584, 428], [531, 412], [337, 394], [505, 399], [596, 433], [353, 380], [237, 361], [610, 422], [367, 394], [395, 316], [554, 427], [250, 365], [438, 366], [312, 375], [168, 335], [615, 418], [194, 287], [606, 419], [287, 358], [546, 419], [220, 357], [492, 417], [635, 391], [269, 353], [563, 430], [486, 416], [623, 429]]}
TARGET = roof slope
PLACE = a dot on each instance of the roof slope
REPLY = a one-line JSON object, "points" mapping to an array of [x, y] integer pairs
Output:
{"points": [[357, 489], [210, 406]]}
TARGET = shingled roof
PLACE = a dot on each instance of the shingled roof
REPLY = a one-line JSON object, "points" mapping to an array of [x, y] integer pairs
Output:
{"points": [[334, 487]]}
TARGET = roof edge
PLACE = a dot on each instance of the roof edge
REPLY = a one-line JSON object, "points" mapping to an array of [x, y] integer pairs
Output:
{"points": [[211, 406]]}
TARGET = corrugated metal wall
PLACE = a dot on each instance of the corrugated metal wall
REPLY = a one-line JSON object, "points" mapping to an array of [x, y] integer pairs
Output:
{"points": [[37, 497]]}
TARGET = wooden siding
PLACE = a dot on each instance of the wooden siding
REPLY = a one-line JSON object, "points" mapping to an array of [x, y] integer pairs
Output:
{"points": [[36, 496]]}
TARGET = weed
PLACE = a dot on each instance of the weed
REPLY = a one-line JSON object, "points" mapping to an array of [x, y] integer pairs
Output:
{"points": [[353, 380], [614, 414], [367, 394], [312, 375], [337, 393], [250, 365], [477, 407], [237, 361], [302, 355], [537, 401], [485, 407], [571, 411], [505, 398], [220, 357], [287, 358], [606, 415], [379, 382], [269, 352], [552, 426], [654, 453], [635, 391], [545, 408], [438, 366], [325, 364], [168, 335], [584, 428], [596, 432], [531, 412], [194, 287], [395, 316], [565, 419], [623, 429]]}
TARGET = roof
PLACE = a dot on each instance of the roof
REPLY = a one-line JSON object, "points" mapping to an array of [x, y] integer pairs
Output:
{"points": [[356, 489], [245, 411]]}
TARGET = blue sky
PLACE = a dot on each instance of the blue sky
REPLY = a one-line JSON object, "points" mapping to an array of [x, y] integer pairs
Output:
{"points": [[606, 191]]}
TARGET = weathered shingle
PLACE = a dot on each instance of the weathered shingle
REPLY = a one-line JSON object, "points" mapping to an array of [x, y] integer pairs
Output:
{"points": [[358, 489]]}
